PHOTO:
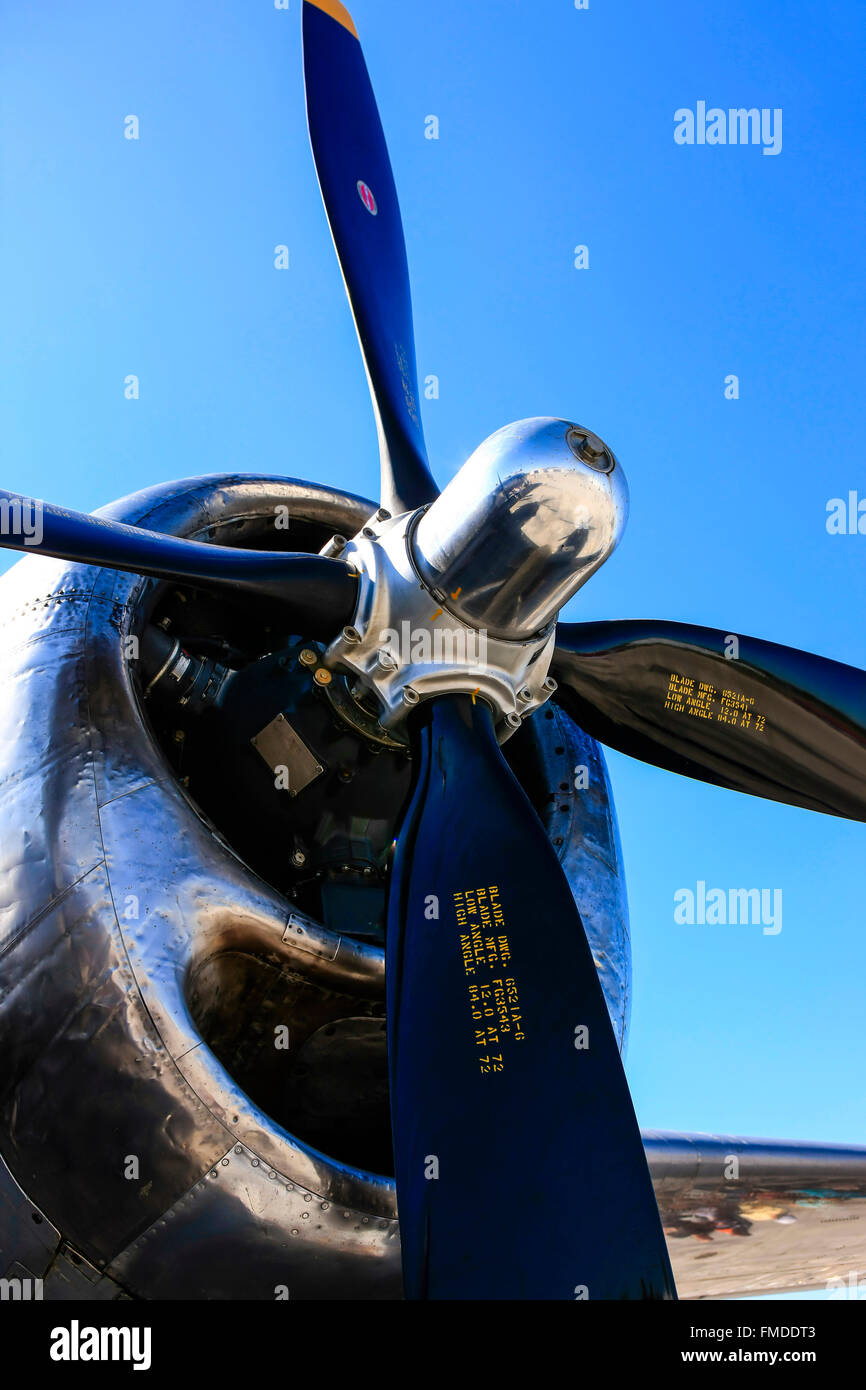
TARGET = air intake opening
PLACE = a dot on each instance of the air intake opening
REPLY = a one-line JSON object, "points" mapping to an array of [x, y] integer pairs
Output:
{"points": [[313, 1060]]}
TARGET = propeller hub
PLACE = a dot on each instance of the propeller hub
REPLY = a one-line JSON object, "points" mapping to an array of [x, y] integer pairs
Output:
{"points": [[404, 645], [527, 520]]}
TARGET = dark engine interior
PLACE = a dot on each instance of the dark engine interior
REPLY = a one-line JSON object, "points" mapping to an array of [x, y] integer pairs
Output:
{"points": [[297, 776]]}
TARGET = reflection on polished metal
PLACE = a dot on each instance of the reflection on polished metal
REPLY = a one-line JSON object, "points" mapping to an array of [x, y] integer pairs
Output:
{"points": [[126, 917], [119, 897], [759, 1216], [404, 645], [526, 521]]}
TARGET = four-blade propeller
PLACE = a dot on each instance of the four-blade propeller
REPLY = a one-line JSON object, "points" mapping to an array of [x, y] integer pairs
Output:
{"points": [[520, 1168], [519, 1164], [361, 202], [304, 589], [736, 711]]}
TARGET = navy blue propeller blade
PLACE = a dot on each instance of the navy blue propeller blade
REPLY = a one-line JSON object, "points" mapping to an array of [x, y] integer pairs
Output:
{"points": [[519, 1164], [315, 593], [735, 711], [361, 202]]}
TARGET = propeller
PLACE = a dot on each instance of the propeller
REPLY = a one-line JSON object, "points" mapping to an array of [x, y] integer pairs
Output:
{"points": [[551, 1116], [313, 593], [735, 711], [519, 1163], [361, 202]]}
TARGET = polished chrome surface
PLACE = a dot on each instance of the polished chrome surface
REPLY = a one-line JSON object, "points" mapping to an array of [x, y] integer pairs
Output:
{"points": [[526, 521], [114, 891], [120, 904], [757, 1216], [265, 1239], [403, 643]]}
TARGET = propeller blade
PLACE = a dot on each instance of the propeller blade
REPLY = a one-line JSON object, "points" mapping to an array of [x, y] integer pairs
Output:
{"points": [[519, 1164], [755, 717], [318, 594], [361, 203]]}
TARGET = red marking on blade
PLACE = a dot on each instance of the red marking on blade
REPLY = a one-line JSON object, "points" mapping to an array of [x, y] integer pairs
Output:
{"points": [[365, 193]]}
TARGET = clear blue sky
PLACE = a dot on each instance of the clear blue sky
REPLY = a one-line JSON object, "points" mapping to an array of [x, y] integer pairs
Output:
{"points": [[155, 257]]}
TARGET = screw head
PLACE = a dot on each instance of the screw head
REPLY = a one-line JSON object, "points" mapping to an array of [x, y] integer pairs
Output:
{"points": [[322, 676], [308, 657], [410, 696], [513, 720], [591, 450], [351, 635], [525, 694], [386, 661], [550, 685], [299, 858]]}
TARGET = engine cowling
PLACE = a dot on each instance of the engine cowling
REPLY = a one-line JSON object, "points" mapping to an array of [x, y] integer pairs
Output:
{"points": [[148, 968]]}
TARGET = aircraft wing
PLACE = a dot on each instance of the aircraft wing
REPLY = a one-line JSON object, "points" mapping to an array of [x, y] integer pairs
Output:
{"points": [[757, 1216]]}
